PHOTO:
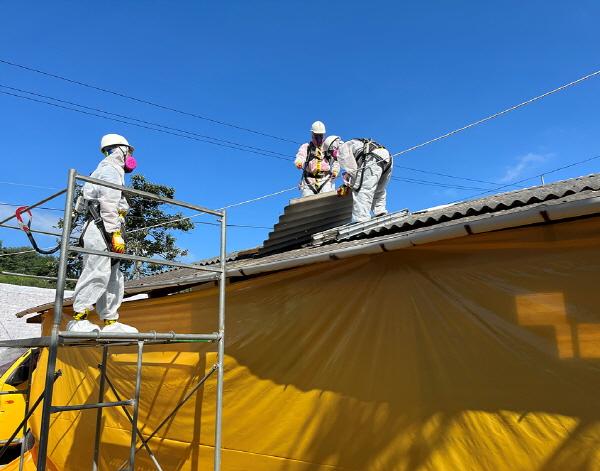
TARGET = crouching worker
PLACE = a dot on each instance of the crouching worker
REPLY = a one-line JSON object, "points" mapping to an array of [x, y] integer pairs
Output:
{"points": [[368, 168], [101, 283], [319, 167]]}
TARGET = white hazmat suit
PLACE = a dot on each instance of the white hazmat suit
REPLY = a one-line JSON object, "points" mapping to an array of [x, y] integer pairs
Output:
{"points": [[368, 180], [101, 282], [319, 170]]}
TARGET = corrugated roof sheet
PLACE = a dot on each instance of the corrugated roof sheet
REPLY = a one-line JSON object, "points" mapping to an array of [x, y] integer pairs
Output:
{"points": [[432, 224], [504, 201], [303, 217]]}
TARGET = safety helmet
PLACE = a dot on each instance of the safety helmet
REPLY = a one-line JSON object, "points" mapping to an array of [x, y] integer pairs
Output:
{"points": [[330, 140], [318, 127], [113, 140]]}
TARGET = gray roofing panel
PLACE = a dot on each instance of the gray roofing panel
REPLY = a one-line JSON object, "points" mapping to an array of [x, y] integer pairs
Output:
{"points": [[303, 217], [392, 228], [489, 204]]}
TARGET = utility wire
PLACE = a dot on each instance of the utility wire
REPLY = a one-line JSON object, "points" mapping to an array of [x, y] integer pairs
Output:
{"points": [[147, 102], [46, 208], [436, 184], [30, 186], [572, 164], [447, 175], [498, 114], [240, 147], [185, 218], [150, 123]]}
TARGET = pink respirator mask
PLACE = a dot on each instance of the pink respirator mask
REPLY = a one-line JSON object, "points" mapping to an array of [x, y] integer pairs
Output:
{"points": [[130, 163]]}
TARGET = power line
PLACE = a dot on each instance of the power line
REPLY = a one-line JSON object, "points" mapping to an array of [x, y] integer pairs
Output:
{"points": [[558, 169], [163, 129], [172, 221], [239, 146], [498, 114], [147, 102], [46, 208], [28, 185], [203, 136], [446, 175], [437, 184]]}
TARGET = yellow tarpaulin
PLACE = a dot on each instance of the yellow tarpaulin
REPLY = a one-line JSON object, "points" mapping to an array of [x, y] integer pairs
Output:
{"points": [[480, 353]]}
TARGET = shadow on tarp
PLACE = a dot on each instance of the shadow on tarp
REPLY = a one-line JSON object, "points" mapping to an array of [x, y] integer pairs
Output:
{"points": [[435, 357]]}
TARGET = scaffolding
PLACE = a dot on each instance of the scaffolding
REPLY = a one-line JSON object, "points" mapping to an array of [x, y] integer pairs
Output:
{"points": [[58, 338]]}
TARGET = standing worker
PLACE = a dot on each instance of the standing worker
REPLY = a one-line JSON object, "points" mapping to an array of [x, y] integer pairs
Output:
{"points": [[368, 168], [319, 167], [101, 282]]}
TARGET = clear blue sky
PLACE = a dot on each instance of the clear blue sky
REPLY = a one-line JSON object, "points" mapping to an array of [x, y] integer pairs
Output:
{"points": [[400, 72]]}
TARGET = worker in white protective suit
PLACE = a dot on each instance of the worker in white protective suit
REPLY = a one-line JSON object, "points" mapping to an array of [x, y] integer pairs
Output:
{"points": [[319, 167], [367, 171], [101, 282]]}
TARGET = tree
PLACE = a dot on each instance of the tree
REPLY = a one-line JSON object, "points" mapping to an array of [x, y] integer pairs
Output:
{"points": [[30, 263], [145, 240], [142, 239]]}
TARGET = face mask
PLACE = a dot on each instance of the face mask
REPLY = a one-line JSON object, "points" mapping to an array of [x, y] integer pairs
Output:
{"points": [[318, 139], [130, 163]]}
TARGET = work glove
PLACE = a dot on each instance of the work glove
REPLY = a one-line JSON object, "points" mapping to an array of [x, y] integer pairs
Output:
{"points": [[122, 215], [343, 190], [347, 179], [298, 164], [118, 243]]}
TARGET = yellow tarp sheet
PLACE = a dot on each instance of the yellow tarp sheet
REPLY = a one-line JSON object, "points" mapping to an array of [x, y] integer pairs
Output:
{"points": [[480, 353]]}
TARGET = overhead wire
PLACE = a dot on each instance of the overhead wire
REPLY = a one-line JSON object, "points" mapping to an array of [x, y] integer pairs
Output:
{"points": [[139, 123], [167, 130], [146, 102], [45, 208], [447, 175], [558, 169], [493, 116], [436, 184], [28, 185], [498, 114]]}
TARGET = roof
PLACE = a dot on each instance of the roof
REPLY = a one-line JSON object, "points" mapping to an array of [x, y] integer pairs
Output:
{"points": [[303, 217], [575, 197]]}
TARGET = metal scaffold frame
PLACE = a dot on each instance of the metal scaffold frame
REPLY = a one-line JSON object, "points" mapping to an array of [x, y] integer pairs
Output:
{"points": [[58, 338]]}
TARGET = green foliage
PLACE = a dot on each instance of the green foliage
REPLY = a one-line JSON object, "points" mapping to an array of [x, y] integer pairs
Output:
{"points": [[154, 241], [30, 263]]}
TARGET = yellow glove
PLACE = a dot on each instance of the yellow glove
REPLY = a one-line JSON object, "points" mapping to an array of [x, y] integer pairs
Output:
{"points": [[118, 243], [122, 215], [343, 190]]}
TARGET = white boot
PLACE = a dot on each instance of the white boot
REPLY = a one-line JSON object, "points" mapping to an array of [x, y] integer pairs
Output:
{"points": [[120, 328], [82, 325]]}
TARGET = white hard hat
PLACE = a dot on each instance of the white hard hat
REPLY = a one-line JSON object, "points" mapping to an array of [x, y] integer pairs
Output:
{"points": [[318, 127], [113, 140], [330, 140]]}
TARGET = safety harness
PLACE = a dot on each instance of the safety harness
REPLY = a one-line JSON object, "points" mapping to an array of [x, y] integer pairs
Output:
{"points": [[26, 227], [315, 153], [93, 209], [369, 146]]}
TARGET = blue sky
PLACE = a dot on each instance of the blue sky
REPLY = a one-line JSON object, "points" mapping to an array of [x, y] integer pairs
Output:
{"points": [[399, 72]]}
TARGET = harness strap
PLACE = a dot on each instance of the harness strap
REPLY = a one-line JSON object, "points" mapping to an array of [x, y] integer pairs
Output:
{"points": [[94, 210], [310, 155]]}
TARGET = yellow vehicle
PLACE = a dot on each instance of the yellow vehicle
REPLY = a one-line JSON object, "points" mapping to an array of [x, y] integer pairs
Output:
{"points": [[12, 406]]}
